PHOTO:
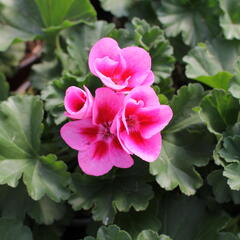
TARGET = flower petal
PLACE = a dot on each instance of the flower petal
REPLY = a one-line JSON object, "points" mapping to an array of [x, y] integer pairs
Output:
{"points": [[95, 159], [106, 105], [119, 157], [145, 94], [104, 47], [79, 134], [138, 60], [147, 149], [153, 120]]}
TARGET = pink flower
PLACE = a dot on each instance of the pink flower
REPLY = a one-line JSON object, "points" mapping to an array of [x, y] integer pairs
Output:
{"points": [[78, 103], [120, 69], [99, 148], [140, 122]]}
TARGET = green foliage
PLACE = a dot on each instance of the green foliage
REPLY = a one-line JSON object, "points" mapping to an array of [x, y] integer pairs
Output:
{"points": [[44, 198], [4, 87], [19, 149]]}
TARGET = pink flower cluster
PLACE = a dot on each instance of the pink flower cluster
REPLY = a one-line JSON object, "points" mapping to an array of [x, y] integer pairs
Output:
{"points": [[124, 118]]}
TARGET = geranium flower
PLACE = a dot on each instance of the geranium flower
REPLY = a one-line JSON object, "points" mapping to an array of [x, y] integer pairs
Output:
{"points": [[78, 103], [140, 122], [99, 148], [120, 69]]}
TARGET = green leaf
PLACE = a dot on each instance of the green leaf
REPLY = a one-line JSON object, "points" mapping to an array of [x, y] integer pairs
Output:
{"points": [[4, 87], [44, 72], [177, 212], [232, 172], [182, 104], [119, 8], [79, 40], [230, 20], [153, 40], [10, 59], [59, 14], [234, 87], [110, 232], [188, 18], [221, 190], [106, 196], [11, 229], [213, 63], [21, 128], [44, 211], [14, 25], [231, 150], [150, 235], [179, 155], [219, 110], [54, 93], [134, 222]]}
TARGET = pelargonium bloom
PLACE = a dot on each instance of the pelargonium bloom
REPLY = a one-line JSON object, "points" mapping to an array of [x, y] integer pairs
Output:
{"points": [[78, 103], [140, 122], [120, 69], [99, 148]]}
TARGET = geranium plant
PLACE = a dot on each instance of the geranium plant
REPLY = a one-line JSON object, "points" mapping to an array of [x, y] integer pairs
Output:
{"points": [[119, 120]]}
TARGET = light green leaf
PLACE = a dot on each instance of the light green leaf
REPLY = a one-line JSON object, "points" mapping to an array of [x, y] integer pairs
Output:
{"points": [[219, 110], [179, 155], [153, 40], [117, 8], [10, 60], [4, 87], [232, 172], [182, 105], [59, 14], [221, 190], [234, 87], [20, 132], [231, 149], [106, 196], [187, 18], [79, 40], [12, 229], [14, 25], [54, 93], [230, 20], [44, 72], [213, 63], [150, 235]]}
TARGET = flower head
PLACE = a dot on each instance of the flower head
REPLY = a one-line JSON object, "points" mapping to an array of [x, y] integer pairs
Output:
{"points": [[120, 69], [78, 103], [140, 122], [98, 146]]}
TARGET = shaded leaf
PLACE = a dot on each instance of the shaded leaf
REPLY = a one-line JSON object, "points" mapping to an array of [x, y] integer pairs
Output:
{"points": [[150, 235], [219, 110], [10, 59], [221, 190], [106, 196], [4, 87], [11, 229]]}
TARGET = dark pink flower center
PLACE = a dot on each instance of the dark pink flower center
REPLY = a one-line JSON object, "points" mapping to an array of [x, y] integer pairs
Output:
{"points": [[132, 122]]}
